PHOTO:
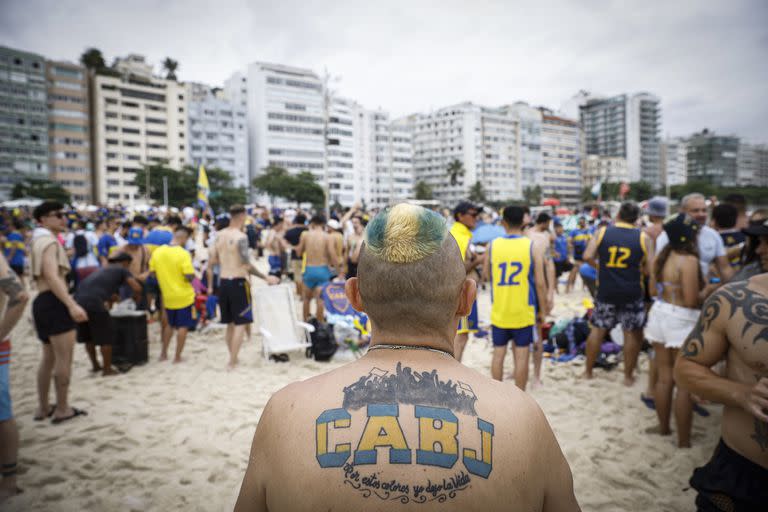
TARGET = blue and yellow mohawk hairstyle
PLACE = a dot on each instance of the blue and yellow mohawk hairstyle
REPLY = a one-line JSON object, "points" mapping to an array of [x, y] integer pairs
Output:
{"points": [[405, 233]]}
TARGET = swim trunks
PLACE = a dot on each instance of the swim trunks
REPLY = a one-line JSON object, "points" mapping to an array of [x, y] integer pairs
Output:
{"points": [[631, 315], [182, 318], [730, 481], [51, 316], [235, 301], [316, 276], [6, 411], [522, 337]]}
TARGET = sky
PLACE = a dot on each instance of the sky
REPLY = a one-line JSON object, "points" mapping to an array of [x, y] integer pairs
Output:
{"points": [[706, 59]]}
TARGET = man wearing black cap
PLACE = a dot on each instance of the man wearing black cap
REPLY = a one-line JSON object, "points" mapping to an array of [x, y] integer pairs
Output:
{"points": [[465, 217], [92, 295]]}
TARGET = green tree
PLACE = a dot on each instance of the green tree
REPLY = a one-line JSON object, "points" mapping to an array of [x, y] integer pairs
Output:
{"points": [[477, 193], [41, 188], [423, 191], [306, 190], [532, 195], [170, 66], [93, 59], [640, 191], [182, 185], [275, 182], [455, 170]]}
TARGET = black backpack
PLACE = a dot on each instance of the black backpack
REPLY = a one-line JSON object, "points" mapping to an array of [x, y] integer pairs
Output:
{"points": [[80, 243], [323, 341]]}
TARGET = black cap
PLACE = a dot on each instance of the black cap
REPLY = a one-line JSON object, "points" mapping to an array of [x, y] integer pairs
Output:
{"points": [[757, 228], [681, 229], [463, 207], [120, 257]]}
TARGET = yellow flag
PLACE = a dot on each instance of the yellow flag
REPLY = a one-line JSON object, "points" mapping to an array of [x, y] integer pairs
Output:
{"points": [[202, 188]]}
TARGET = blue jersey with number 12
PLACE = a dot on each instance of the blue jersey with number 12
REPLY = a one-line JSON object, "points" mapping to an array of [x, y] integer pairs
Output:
{"points": [[512, 289]]}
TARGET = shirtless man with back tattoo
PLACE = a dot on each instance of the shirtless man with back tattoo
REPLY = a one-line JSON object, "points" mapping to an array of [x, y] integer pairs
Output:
{"points": [[733, 326], [230, 252], [406, 426]]}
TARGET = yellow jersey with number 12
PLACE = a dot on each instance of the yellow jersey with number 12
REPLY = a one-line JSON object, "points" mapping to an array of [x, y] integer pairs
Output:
{"points": [[513, 294]]}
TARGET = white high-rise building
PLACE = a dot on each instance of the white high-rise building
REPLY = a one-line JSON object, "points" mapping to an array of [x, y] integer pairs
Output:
{"points": [[341, 147], [529, 125], [752, 165], [285, 115], [605, 169], [137, 118], [561, 154], [674, 161], [484, 140], [218, 134]]}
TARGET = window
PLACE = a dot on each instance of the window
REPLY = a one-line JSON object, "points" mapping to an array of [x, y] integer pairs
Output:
{"points": [[74, 114], [112, 142], [71, 73], [132, 130], [69, 85], [128, 156], [132, 93], [128, 117], [68, 127], [111, 128], [155, 134], [155, 120], [130, 104]]}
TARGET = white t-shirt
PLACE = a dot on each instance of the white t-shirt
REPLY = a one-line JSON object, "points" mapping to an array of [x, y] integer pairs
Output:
{"points": [[710, 244], [90, 259]]}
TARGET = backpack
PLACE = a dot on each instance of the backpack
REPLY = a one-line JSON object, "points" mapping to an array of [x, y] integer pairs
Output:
{"points": [[80, 243], [323, 341]]}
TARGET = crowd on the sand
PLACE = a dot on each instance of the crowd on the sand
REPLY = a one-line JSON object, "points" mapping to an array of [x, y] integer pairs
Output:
{"points": [[649, 269]]}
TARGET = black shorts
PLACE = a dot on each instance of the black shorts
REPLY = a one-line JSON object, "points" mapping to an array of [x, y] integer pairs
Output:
{"points": [[99, 329], [351, 269], [51, 316], [631, 315], [235, 301], [730, 481], [19, 269], [561, 267]]}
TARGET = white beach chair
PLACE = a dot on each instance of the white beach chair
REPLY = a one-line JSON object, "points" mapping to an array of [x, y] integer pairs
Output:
{"points": [[278, 322]]}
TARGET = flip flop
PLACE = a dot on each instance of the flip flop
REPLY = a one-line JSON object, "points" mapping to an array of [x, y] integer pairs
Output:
{"points": [[649, 402], [50, 413], [700, 410], [75, 413]]}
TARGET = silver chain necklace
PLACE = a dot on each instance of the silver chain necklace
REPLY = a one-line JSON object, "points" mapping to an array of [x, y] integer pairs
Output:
{"points": [[409, 347]]}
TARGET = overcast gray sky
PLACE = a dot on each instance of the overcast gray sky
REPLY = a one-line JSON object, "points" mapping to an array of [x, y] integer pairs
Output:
{"points": [[707, 60]]}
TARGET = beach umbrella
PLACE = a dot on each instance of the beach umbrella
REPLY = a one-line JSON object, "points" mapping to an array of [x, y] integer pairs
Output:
{"points": [[550, 201], [487, 232], [562, 211]]}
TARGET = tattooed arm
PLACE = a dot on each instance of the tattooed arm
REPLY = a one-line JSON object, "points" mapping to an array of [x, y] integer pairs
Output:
{"points": [[17, 298], [706, 345], [242, 247]]}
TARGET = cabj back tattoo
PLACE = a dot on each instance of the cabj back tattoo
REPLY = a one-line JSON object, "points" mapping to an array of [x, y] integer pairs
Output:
{"points": [[405, 395]]}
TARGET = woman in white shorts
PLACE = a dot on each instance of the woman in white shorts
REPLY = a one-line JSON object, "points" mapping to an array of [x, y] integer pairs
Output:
{"points": [[678, 282]]}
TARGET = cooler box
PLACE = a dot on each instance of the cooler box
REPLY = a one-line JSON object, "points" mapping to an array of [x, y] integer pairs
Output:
{"points": [[131, 341]]}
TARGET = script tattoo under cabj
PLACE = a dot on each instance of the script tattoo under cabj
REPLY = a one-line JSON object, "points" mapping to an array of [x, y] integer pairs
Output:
{"points": [[389, 400]]}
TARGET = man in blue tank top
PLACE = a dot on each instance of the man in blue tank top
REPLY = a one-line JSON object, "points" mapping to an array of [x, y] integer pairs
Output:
{"points": [[623, 255]]}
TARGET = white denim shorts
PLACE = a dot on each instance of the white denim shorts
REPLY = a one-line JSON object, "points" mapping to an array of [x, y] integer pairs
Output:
{"points": [[670, 324]]}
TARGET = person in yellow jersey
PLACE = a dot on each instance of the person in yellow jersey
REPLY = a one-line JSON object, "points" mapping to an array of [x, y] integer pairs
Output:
{"points": [[516, 273], [465, 217], [172, 265]]}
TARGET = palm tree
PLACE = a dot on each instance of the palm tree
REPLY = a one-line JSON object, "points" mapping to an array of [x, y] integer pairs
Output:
{"points": [[170, 66], [477, 193], [93, 59], [423, 191], [455, 170]]}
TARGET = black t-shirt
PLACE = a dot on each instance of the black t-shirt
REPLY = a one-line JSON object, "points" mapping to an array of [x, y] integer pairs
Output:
{"points": [[98, 287], [293, 236]]}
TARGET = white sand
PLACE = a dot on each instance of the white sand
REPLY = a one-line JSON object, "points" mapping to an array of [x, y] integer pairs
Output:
{"points": [[176, 437]]}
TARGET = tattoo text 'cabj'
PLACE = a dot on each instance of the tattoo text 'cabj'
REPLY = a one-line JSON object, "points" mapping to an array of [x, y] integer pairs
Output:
{"points": [[387, 400]]}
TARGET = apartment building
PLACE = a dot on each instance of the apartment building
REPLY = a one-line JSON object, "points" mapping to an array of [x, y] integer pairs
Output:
{"points": [[340, 158], [561, 154], [218, 133], [604, 169], [69, 128], [674, 161], [23, 118], [484, 140], [712, 158], [625, 126], [137, 119]]}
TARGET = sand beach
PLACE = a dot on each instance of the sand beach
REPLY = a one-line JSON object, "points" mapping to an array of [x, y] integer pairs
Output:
{"points": [[171, 437]]}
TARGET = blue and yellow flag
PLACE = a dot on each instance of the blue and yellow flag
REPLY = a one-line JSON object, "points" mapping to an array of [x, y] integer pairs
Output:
{"points": [[202, 188]]}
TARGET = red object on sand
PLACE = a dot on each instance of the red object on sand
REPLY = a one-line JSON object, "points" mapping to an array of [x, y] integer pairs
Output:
{"points": [[550, 201]]}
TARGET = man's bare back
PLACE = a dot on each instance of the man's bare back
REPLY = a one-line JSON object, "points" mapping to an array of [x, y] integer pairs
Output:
{"points": [[734, 324], [318, 247], [231, 253], [399, 427]]}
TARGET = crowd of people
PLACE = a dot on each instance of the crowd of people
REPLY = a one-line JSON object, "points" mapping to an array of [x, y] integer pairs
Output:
{"points": [[677, 283]]}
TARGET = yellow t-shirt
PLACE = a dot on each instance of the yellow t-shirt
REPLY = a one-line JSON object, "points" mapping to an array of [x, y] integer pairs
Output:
{"points": [[513, 294], [171, 264], [463, 236]]}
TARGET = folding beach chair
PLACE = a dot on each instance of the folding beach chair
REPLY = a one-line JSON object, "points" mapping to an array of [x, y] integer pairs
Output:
{"points": [[278, 322]]}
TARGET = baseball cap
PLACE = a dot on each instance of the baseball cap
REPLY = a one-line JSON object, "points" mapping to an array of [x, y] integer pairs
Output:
{"points": [[680, 229], [334, 224], [135, 236], [657, 207], [463, 207], [757, 228]]}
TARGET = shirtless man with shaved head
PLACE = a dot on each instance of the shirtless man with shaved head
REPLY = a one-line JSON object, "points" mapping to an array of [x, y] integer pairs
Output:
{"points": [[406, 423], [733, 326]]}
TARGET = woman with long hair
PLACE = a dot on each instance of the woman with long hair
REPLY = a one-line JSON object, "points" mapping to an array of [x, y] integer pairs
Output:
{"points": [[678, 283]]}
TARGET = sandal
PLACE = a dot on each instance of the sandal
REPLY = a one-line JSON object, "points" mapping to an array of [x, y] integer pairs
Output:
{"points": [[75, 413], [50, 413]]}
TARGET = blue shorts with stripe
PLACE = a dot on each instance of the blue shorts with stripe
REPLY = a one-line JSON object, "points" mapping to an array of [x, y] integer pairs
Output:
{"points": [[470, 322]]}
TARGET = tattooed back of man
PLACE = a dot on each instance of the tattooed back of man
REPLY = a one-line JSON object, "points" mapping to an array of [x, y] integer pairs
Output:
{"points": [[406, 426], [733, 325]]}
